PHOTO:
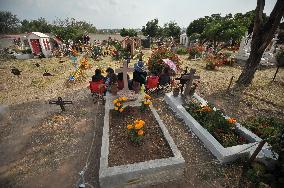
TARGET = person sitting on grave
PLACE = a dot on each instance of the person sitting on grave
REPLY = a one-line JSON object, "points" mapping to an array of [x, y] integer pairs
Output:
{"points": [[97, 84], [165, 77], [110, 78], [139, 74], [120, 84]]}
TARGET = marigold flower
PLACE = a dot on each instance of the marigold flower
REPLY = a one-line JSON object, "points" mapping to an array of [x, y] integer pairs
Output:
{"points": [[115, 101], [123, 98], [147, 96], [118, 104], [129, 127], [121, 109], [232, 120], [115, 108], [140, 132]]}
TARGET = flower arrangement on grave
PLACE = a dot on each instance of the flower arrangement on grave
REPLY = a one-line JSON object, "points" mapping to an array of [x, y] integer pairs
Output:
{"points": [[118, 104], [195, 52], [213, 120], [136, 132], [146, 102], [84, 64], [155, 61], [212, 62]]}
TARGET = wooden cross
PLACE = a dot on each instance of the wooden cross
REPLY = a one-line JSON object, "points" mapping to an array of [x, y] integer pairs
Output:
{"points": [[182, 79], [61, 103], [125, 70], [189, 77]]}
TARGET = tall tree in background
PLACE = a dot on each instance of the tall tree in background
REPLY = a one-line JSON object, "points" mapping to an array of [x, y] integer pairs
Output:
{"points": [[172, 29], [9, 23], [128, 32], [39, 25], [261, 37], [151, 29]]}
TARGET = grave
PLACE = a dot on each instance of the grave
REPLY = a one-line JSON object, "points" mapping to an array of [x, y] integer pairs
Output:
{"points": [[143, 172], [223, 154], [61, 103]]}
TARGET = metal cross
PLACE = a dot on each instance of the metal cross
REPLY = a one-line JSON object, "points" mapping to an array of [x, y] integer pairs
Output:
{"points": [[190, 77], [182, 80], [61, 103]]}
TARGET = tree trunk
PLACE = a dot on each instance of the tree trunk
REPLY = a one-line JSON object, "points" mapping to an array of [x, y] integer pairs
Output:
{"points": [[262, 36]]}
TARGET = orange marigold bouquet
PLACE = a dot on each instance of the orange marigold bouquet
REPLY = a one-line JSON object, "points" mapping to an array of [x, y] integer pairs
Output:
{"points": [[135, 131], [118, 104]]}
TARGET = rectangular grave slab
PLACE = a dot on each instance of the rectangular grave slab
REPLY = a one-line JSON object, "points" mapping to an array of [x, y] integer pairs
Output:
{"points": [[224, 155], [142, 173]]}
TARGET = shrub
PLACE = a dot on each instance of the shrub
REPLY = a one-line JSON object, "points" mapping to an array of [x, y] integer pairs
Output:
{"points": [[181, 51], [195, 52]]}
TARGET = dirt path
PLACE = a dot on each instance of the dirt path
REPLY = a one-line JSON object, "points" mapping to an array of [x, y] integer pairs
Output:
{"points": [[42, 147]]}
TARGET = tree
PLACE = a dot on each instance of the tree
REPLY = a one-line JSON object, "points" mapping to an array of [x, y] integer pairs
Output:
{"points": [[9, 23], [172, 29], [263, 33], [197, 26], [39, 25], [128, 32], [151, 29]]}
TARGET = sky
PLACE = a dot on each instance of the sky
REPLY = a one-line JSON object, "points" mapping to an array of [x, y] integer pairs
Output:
{"points": [[116, 14]]}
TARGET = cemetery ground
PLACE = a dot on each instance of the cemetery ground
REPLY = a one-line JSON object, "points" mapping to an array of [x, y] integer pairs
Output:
{"points": [[40, 146]]}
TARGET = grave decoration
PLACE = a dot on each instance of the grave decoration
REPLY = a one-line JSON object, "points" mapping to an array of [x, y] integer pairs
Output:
{"points": [[156, 63], [146, 102], [136, 132], [61, 103], [195, 52], [118, 104], [80, 68], [182, 79], [125, 92]]}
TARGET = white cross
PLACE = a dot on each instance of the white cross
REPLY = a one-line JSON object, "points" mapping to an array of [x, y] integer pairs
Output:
{"points": [[125, 70]]}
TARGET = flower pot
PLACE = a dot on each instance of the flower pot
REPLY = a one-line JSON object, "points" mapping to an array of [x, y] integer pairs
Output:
{"points": [[175, 92]]}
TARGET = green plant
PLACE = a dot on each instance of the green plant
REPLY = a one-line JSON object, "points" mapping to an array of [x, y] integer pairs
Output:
{"points": [[268, 128], [217, 125], [181, 51], [146, 102]]}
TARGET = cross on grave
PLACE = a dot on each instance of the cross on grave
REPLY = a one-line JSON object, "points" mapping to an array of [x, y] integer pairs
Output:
{"points": [[61, 103], [182, 79], [125, 70], [189, 77]]}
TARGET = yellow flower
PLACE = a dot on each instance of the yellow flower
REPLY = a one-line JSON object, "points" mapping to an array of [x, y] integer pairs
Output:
{"points": [[115, 108], [123, 98], [118, 104], [136, 121], [140, 132], [145, 102], [138, 125], [142, 122], [115, 101], [121, 109], [147, 96], [129, 127]]}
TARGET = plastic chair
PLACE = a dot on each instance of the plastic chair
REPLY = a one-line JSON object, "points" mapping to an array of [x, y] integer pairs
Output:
{"points": [[98, 89]]}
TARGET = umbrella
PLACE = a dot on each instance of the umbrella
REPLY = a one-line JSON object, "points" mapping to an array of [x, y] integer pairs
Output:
{"points": [[171, 64]]}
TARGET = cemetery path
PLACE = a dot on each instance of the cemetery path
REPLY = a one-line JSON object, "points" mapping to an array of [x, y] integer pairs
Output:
{"points": [[43, 147]]}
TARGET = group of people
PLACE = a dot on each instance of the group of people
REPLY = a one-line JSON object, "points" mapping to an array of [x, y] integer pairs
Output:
{"points": [[140, 77]]}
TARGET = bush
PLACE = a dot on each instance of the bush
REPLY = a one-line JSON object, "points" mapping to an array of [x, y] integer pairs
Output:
{"points": [[195, 52], [181, 51], [155, 62]]}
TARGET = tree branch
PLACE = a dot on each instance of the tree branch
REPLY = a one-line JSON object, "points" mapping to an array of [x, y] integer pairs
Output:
{"points": [[258, 16]]}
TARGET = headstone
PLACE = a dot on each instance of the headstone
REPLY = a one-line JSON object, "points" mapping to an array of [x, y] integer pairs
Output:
{"points": [[125, 91], [61, 103], [190, 77]]}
